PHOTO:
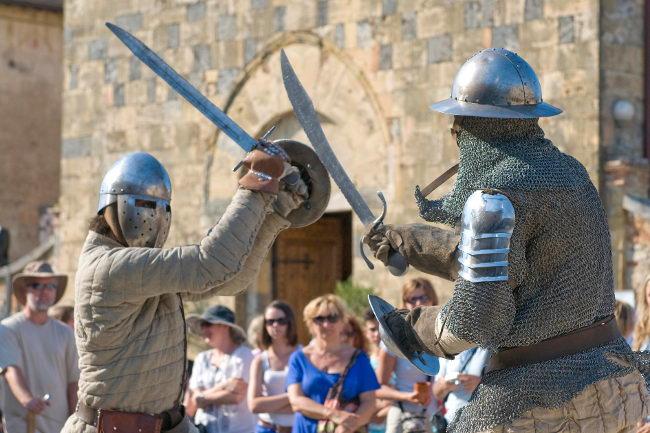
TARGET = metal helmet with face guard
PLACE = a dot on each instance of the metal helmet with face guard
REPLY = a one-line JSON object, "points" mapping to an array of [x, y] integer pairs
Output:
{"points": [[140, 186]]}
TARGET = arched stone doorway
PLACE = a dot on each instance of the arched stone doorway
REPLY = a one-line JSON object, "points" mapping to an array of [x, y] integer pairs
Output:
{"points": [[351, 119]]}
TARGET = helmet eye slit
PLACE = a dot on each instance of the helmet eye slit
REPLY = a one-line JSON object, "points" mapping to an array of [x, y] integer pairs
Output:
{"points": [[145, 203]]}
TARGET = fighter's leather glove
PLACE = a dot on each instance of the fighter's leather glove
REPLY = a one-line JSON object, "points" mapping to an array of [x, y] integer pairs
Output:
{"points": [[383, 240], [427, 248], [293, 191], [265, 168]]}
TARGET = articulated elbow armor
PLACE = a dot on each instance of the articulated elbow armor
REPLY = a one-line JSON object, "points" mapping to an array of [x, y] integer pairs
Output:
{"points": [[487, 223]]}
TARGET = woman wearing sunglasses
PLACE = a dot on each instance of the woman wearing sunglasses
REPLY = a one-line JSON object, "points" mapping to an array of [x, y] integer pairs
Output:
{"points": [[402, 383], [267, 394], [327, 364]]}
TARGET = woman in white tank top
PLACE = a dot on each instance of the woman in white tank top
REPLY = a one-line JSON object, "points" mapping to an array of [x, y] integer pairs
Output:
{"points": [[267, 395], [411, 410]]}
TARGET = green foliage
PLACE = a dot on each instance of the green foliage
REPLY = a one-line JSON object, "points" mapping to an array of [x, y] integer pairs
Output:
{"points": [[354, 295]]}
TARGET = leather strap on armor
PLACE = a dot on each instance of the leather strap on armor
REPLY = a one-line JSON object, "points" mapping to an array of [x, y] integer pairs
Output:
{"points": [[168, 419], [435, 183], [597, 334]]}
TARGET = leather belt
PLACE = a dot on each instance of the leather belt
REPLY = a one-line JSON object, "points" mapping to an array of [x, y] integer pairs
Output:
{"points": [[170, 418], [597, 334]]}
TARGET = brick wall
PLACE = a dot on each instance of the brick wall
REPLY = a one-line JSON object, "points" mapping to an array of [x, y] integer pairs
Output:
{"points": [[31, 54], [622, 141], [637, 232], [372, 67]]}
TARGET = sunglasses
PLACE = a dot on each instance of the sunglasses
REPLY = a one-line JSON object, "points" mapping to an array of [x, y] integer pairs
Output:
{"points": [[415, 299], [40, 286], [281, 321], [330, 318]]}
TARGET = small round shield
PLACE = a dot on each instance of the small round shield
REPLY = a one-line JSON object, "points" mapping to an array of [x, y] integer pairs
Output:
{"points": [[395, 339], [314, 174]]}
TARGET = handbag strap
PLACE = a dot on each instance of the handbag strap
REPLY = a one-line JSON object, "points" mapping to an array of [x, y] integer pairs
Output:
{"points": [[335, 390]]}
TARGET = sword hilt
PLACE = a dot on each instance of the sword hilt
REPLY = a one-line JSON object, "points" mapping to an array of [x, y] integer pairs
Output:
{"points": [[397, 263]]}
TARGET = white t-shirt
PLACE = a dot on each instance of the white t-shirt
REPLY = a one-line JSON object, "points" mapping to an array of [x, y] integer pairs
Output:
{"points": [[47, 357], [406, 375], [231, 418], [474, 361]]}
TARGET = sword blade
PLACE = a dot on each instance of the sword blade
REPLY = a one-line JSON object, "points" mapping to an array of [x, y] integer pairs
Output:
{"points": [[184, 88], [306, 114]]}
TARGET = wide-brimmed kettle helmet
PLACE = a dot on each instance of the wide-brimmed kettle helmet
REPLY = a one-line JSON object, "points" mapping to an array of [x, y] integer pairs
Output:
{"points": [[496, 83], [140, 186]]}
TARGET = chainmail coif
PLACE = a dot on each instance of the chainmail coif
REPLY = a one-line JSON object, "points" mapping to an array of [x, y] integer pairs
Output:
{"points": [[560, 271]]}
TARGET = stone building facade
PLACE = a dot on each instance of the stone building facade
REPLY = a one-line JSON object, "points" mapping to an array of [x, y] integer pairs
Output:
{"points": [[372, 68], [31, 77]]}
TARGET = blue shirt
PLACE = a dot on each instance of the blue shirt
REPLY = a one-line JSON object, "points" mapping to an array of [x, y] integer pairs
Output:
{"points": [[316, 383]]}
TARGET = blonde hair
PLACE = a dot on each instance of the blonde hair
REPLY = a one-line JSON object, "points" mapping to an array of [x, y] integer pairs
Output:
{"points": [[624, 315], [330, 302], [254, 331], [642, 327], [419, 283]]}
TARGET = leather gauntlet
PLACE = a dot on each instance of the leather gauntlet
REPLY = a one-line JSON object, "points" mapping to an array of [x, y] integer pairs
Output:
{"points": [[264, 171], [427, 248]]}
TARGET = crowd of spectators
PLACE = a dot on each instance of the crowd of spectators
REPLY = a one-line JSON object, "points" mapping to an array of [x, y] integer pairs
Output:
{"points": [[343, 380]]}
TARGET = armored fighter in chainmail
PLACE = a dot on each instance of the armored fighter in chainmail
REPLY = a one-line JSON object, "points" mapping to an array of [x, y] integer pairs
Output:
{"points": [[529, 251]]}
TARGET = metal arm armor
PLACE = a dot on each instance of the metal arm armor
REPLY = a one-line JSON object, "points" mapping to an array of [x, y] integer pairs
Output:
{"points": [[487, 223]]}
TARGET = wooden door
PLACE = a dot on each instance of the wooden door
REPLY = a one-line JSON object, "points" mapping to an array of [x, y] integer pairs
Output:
{"points": [[307, 262]]}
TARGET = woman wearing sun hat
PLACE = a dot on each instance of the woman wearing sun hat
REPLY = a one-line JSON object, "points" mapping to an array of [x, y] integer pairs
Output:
{"points": [[220, 375]]}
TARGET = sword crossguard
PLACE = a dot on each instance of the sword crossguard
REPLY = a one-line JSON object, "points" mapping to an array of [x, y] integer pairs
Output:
{"points": [[397, 263], [380, 219]]}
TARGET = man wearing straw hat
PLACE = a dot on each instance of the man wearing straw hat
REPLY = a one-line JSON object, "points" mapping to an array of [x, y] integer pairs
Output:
{"points": [[38, 355]]}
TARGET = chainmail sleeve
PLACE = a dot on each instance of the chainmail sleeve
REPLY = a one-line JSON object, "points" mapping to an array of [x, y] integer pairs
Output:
{"points": [[478, 313], [483, 312]]}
